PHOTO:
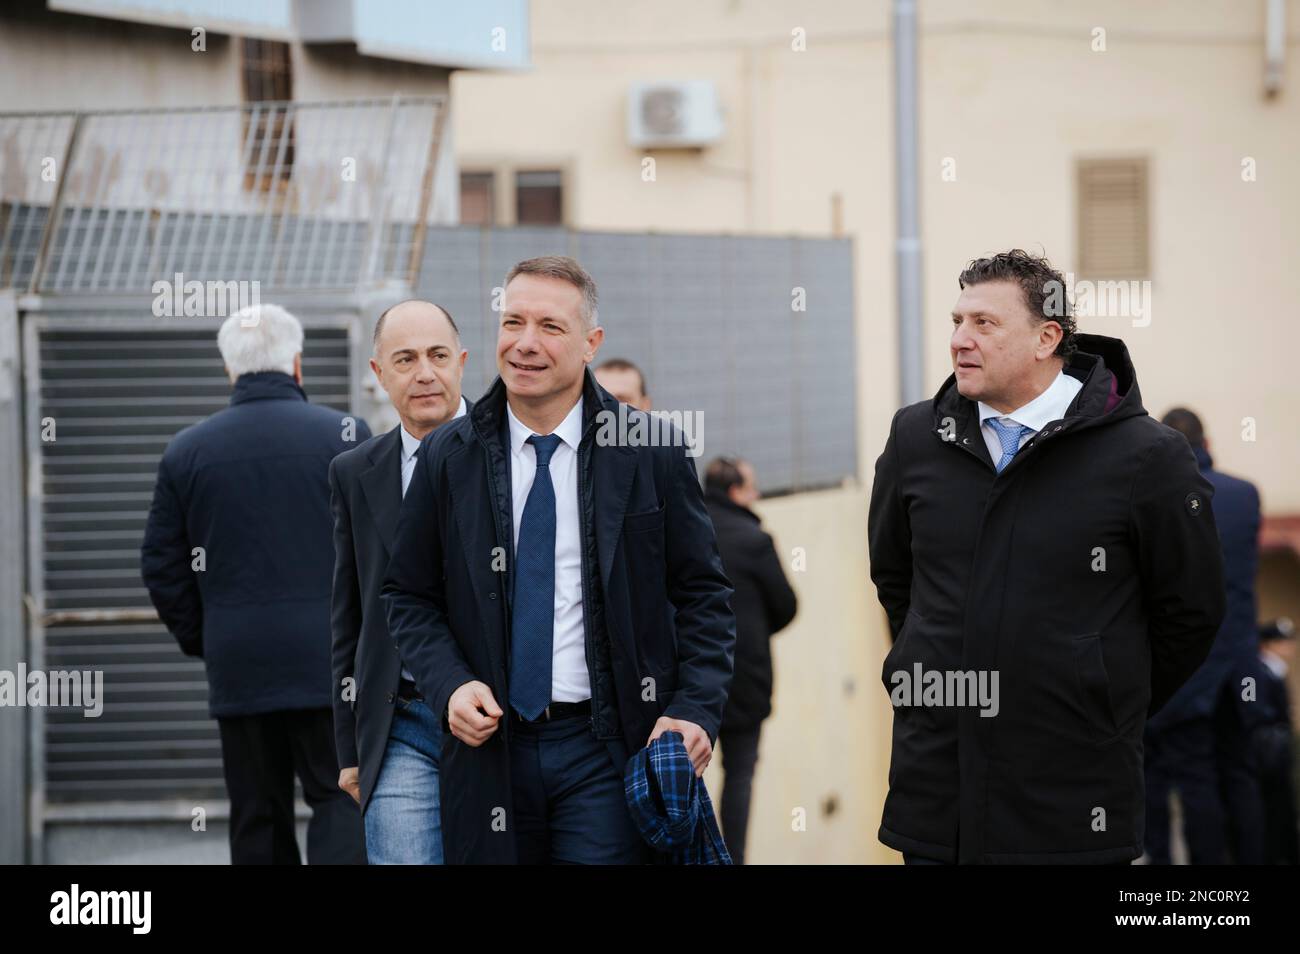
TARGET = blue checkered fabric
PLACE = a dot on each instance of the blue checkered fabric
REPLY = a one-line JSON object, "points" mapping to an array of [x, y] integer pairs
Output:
{"points": [[670, 806]]}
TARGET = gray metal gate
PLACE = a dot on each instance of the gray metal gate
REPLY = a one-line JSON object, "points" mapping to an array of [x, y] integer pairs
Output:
{"points": [[112, 391]]}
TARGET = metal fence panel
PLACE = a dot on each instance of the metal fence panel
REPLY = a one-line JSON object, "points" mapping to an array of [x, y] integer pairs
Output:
{"points": [[713, 321]]}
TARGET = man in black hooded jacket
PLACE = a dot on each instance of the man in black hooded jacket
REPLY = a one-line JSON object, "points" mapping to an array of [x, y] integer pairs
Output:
{"points": [[1048, 560], [764, 604]]}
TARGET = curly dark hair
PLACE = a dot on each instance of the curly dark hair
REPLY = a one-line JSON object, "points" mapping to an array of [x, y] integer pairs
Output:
{"points": [[1040, 282]]}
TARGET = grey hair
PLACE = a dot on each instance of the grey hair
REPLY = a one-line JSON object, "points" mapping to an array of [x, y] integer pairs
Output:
{"points": [[260, 338]]}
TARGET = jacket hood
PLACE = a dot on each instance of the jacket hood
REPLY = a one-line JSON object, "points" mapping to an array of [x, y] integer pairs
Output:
{"points": [[1109, 394]]}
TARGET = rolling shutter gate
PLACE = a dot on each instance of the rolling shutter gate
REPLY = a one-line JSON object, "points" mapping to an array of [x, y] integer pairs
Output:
{"points": [[118, 390]]}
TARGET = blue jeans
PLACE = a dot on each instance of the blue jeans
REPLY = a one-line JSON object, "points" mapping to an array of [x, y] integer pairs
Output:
{"points": [[568, 797], [403, 817]]}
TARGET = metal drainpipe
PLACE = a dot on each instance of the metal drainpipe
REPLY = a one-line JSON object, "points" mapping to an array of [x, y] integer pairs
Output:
{"points": [[907, 242], [1274, 47]]}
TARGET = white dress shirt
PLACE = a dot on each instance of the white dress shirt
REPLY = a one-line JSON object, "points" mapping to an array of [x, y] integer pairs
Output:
{"points": [[570, 681], [1049, 406], [1274, 662], [409, 446]]}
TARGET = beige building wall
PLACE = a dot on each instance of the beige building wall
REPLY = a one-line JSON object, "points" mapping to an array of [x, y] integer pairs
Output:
{"points": [[52, 61], [1012, 91], [824, 755]]}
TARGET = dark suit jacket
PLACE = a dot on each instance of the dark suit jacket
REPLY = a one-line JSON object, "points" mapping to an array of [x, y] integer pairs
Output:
{"points": [[366, 497], [660, 631], [1237, 517], [248, 485]]}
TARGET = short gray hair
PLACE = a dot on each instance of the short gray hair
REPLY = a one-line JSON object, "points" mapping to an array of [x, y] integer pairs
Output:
{"points": [[260, 338], [568, 270]]}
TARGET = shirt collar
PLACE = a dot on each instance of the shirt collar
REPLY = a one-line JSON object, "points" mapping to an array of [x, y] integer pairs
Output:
{"points": [[1051, 405], [1274, 662], [411, 444], [569, 430]]}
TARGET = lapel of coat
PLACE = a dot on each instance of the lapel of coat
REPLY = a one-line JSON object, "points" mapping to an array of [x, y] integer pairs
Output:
{"points": [[613, 468], [470, 504], [382, 485]]}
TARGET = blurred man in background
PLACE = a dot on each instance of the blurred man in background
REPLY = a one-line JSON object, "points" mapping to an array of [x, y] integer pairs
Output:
{"points": [[388, 739], [764, 605], [1180, 744], [1272, 743], [1033, 530], [624, 380], [238, 562], [1256, 745]]}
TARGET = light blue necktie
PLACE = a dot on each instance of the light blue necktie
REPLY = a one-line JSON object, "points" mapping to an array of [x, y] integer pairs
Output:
{"points": [[1009, 437], [532, 630]]}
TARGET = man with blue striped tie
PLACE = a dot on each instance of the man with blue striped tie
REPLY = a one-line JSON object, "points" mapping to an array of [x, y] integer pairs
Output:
{"points": [[1036, 534]]}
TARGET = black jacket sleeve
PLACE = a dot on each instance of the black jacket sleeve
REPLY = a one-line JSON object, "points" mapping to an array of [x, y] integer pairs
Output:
{"points": [[889, 536], [1181, 563], [345, 624], [779, 599], [166, 566], [414, 591], [701, 596]]}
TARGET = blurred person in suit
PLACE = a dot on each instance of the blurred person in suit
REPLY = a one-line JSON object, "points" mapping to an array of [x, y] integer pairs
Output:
{"points": [[1182, 738], [764, 604], [238, 563], [389, 741], [1257, 749], [1272, 742]]}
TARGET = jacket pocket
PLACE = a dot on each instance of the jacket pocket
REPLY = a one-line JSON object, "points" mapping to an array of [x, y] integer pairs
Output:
{"points": [[902, 646], [640, 522], [1092, 686]]}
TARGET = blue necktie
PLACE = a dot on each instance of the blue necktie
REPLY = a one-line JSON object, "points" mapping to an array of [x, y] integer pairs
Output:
{"points": [[1009, 437], [533, 614]]}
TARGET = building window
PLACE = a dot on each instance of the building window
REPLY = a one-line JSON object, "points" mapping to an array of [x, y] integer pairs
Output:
{"points": [[268, 131], [539, 198], [477, 206], [1114, 230]]}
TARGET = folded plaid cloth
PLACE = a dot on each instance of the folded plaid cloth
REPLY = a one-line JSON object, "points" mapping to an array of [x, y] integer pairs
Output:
{"points": [[670, 806]]}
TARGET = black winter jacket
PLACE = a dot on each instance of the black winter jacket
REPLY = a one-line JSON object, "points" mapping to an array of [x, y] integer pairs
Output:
{"points": [[1087, 576], [764, 604]]}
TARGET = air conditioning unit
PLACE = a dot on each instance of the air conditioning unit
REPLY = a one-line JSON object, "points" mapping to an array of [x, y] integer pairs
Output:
{"points": [[673, 115]]}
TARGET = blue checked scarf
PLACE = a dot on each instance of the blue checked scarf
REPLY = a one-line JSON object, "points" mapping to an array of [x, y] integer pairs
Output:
{"points": [[670, 806]]}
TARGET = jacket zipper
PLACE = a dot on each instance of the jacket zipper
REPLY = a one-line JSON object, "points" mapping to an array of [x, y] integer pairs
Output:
{"points": [[504, 576], [587, 641]]}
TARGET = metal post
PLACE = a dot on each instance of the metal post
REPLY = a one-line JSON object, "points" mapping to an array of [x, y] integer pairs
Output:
{"points": [[13, 728], [379, 202], [907, 243], [426, 194]]}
